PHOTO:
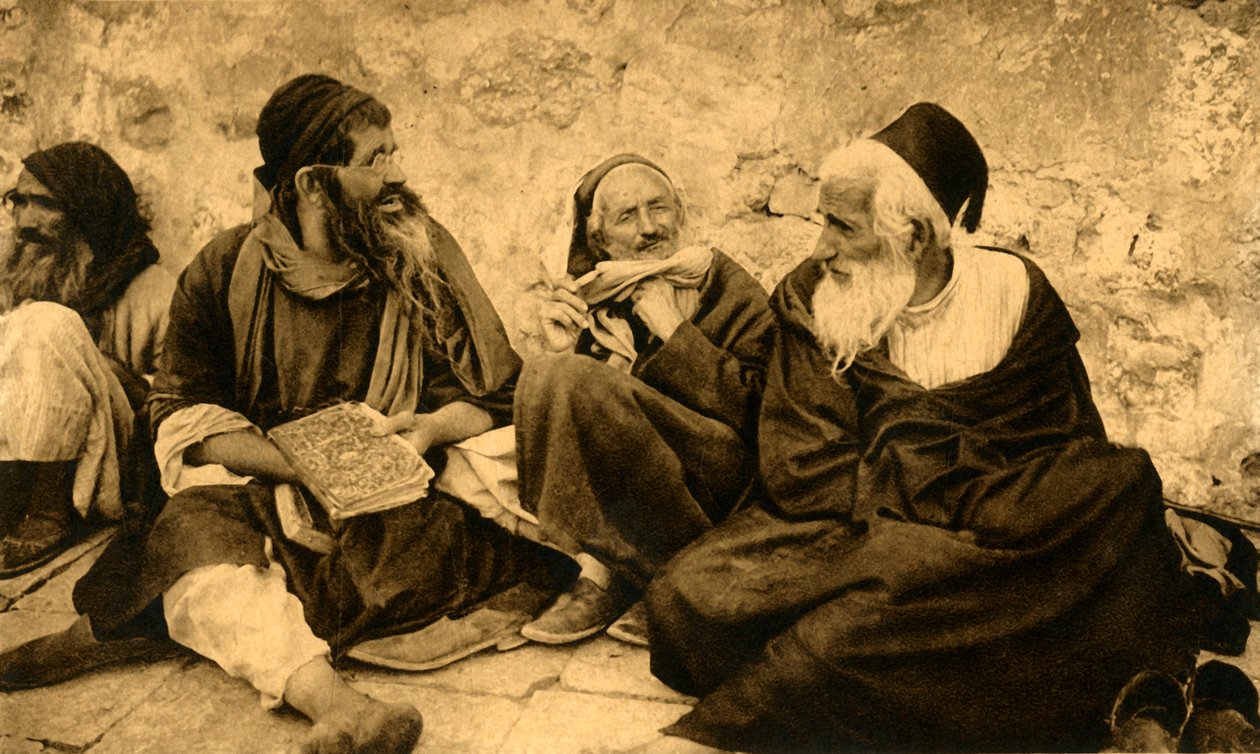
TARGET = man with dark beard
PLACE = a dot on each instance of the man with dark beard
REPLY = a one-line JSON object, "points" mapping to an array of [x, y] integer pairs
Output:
{"points": [[83, 311], [347, 290], [949, 554]]}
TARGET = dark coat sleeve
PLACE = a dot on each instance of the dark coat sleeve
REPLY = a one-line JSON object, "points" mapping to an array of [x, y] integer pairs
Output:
{"points": [[198, 361], [715, 364]]}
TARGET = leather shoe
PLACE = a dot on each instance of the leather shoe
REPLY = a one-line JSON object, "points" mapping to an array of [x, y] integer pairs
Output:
{"points": [[585, 610], [1149, 714], [1225, 714]]}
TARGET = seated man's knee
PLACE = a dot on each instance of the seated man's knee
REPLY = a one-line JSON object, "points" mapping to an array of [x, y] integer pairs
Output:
{"points": [[575, 379]]}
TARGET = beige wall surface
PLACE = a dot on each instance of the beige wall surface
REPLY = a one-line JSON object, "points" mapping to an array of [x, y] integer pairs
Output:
{"points": [[1121, 134]]}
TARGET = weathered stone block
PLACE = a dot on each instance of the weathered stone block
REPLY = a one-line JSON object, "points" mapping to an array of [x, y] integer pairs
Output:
{"points": [[794, 194], [605, 666], [529, 77], [145, 115], [200, 707], [562, 721], [513, 674]]}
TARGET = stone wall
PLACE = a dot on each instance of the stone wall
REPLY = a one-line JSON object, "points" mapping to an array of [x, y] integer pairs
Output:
{"points": [[1122, 136]]}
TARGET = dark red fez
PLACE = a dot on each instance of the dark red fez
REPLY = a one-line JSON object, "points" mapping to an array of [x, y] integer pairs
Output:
{"points": [[945, 155], [581, 258], [298, 120]]}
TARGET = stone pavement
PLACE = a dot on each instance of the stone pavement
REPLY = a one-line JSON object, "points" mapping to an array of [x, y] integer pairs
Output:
{"points": [[594, 696]]}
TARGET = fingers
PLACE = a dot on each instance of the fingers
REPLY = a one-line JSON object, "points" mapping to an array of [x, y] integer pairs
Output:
{"points": [[563, 315], [568, 298], [392, 424]]}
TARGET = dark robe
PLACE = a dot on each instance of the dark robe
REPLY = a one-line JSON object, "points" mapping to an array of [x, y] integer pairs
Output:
{"points": [[391, 571], [969, 567], [631, 467]]}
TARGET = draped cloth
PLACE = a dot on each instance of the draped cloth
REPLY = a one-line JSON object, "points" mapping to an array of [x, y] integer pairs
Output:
{"points": [[630, 466], [685, 271], [98, 198], [969, 567], [389, 572], [482, 358]]}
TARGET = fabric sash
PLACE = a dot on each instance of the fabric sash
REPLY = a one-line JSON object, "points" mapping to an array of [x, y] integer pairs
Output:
{"points": [[268, 255], [685, 270], [476, 345]]}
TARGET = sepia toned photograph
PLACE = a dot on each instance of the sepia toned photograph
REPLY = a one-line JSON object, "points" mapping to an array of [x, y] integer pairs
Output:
{"points": [[629, 376]]}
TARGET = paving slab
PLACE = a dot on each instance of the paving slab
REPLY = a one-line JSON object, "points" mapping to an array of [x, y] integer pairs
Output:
{"points": [[20, 626], [56, 594], [200, 708], [515, 673], [11, 745], [556, 722], [603, 665], [454, 721], [77, 712], [14, 588]]}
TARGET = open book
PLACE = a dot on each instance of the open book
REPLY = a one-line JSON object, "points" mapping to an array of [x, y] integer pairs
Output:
{"points": [[348, 469]]}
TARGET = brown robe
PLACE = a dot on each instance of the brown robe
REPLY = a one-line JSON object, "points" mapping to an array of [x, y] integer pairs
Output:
{"points": [[631, 467], [391, 571], [970, 567]]}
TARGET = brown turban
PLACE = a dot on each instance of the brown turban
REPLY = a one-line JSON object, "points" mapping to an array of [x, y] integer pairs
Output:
{"points": [[297, 121], [100, 202]]}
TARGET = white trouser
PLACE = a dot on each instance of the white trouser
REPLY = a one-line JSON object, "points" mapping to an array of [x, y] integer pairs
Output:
{"points": [[60, 401], [247, 621]]}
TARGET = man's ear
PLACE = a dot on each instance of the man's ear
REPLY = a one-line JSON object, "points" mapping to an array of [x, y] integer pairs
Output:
{"points": [[920, 238], [307, 184]]}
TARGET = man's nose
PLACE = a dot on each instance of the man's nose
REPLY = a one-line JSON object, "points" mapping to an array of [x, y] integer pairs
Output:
{"points": [[647, 224], [827, 247], [395, 175]]}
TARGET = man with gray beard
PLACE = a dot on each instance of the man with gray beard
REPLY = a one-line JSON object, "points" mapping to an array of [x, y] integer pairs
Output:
{"points": [[949, 555], [346, 290], [83, 312]]}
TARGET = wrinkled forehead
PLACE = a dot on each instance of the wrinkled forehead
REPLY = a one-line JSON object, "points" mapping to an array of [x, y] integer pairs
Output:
{"points": [[844, 196], [629, 185]]}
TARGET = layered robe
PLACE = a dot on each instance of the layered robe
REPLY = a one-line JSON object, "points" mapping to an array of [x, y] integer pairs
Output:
{"points": [[968, 567], [245, 351], [630, 467], [70, 388]]}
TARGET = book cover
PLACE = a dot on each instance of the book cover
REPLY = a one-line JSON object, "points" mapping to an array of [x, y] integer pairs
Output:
{"points": [[349, 470]]}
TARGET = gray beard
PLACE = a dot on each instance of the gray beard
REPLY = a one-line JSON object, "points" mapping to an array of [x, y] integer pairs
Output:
{"points": [[853, 316], [54, 270]]}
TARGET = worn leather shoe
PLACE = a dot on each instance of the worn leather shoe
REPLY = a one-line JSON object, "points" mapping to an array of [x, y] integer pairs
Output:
{"points": [[1225, 714], [442, 642], [585, 610], [1149, 714], [631, 627]]}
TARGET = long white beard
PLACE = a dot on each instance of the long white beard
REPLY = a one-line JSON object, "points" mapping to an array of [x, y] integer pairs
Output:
{"points": [[854, 315]]}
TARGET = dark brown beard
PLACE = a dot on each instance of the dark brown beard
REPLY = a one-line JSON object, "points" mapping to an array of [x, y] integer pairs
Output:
{"points": [[393, 248], [44, 269]]}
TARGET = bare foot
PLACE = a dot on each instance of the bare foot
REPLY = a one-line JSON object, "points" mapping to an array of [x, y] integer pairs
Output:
{"points": [[377, 728], [347, 721]]}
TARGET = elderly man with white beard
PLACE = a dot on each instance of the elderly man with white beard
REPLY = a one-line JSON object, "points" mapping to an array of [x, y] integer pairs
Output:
{"points": [[949, 554]]}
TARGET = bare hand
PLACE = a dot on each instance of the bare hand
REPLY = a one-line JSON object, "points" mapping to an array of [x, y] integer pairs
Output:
{"points": [[562, 316], [654, 304], [416, 429]]}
